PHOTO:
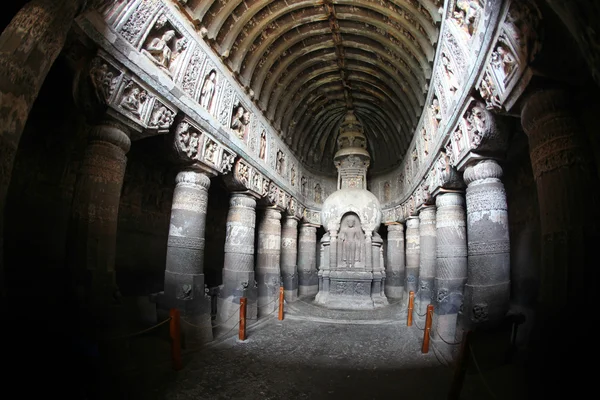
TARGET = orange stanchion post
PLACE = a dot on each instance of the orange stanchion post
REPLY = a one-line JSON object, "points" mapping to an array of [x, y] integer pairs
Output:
{"points": [[175, 333], [425, 348], [411, 304], [242, 335], [281, 303]]}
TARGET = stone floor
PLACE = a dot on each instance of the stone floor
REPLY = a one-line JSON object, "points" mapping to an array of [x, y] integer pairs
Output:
{"points": [[308, 359]]}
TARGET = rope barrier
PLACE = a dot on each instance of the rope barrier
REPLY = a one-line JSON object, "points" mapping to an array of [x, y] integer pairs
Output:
{"points": [[268, 304], [443, 362], [140, 332], [481, 374], [445, 341], [212, 326], [415, 321]]}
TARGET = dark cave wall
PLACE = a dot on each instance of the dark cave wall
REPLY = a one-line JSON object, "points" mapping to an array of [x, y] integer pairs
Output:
{"points": [[39, 198], [216, 229]]}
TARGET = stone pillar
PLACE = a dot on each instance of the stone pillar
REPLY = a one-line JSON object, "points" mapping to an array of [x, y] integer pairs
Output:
{"points": [[94, 213], [238, 268], [412, 254], [289, 254], [395, 269], [427, 258], [487, 291], [378, 272], [29, 46], [323, 270], [451, 269], [268, 270], [308, 281], [567, 187], [184, 274]]}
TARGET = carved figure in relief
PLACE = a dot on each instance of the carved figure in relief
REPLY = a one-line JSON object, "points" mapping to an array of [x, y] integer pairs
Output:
{"points": [[210, 154], [487, 90], [262, 151], [425, 141], [450, 76], [351, 239], [227, 161], [458, 140], [193, 145], [318, 193], [503, 62], [476, 120], [240, 119], [280, 161], [471, 11], [159, 50], [243, 173], [303, 185], [207, 92], [103, 81], [265, 187], [134, 99], [256, 181], [293, 176], [436, 113], [161, 118]]}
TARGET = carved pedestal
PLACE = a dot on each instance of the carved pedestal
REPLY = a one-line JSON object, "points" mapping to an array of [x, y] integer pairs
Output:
{"points": [[487, 291], [238, 268], [268, 270], [289, 253], [184, 274]]}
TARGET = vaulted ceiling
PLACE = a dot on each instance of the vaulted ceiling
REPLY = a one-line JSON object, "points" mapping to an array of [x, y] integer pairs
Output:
{"points": [[306, 62]]}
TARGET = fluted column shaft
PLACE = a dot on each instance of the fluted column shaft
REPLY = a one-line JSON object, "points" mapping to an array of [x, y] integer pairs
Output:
{"points": [[308, 280], [412, 254], [451, 268], [395, 268], [427, 257], [95, 210], [567, 186], [184, 274], [268, 269], [289, 254], [29, 45], [238, 268], [487, 290]]}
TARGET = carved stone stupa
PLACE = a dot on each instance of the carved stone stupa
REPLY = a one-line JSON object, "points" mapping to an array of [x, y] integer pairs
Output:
{"points": [[351, 276]]}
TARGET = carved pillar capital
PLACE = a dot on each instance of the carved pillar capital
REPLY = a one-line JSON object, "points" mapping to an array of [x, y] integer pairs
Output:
{"points": [[395, 228], [412, 222], [193, 178], [113, 132], [272, 212], [485, 169]]}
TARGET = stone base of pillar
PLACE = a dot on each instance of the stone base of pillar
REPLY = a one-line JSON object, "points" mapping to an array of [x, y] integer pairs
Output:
{"points": [[196, 324], [309, 283], [228, 302], [443, 337], [268, 283], [394, 291], [290, 285], [486, 306]]}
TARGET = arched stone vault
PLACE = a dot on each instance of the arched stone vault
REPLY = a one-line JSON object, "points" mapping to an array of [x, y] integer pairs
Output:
{"points": [[305, 63]]}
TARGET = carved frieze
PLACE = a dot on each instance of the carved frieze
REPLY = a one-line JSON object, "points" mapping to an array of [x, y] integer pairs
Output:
{"points": [[133, 99], [161, 117]]}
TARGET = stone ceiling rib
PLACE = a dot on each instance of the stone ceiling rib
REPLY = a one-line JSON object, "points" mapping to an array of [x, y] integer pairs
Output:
{"points": [[306, 62]]}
